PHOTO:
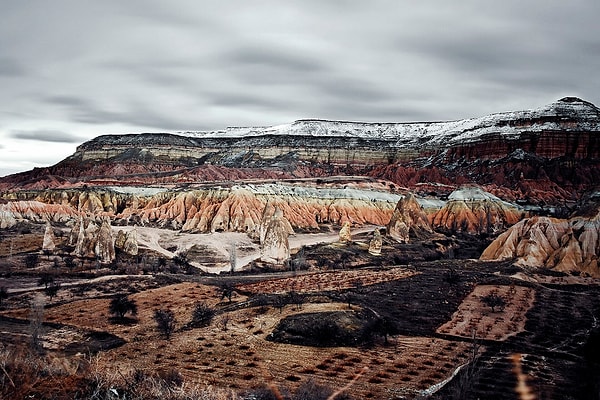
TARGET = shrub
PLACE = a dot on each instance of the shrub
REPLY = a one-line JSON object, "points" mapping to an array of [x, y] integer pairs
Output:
{"points": [[121, 305], [32, 260], [45, 280], [165, 322], [202, 315], [52, 290], [3, 294], [494, 300]]}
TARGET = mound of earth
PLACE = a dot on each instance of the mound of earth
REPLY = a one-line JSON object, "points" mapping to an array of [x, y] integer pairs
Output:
{"points": [[322, 329]]}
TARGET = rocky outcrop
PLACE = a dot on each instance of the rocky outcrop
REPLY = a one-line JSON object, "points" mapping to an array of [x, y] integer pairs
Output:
{"points": [[275, 247], [127, 242], [86, 239], [93, 241], [34, 211], [346, 233], [562, 245], [48, 243], [408, 219], [375, 243], [472, 210], [220, 208], [242, 208], [105, 246]]}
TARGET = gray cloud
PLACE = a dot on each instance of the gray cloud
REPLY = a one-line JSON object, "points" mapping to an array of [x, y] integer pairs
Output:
{"points": [[11, 68], [45, 136], [142, 65]]}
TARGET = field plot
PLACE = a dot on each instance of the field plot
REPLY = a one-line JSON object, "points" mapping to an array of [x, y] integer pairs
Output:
{"points": [[252, 340], [475, 317], [325, 281]]}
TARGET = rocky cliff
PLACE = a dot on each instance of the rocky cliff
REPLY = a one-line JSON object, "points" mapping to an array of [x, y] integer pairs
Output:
{"points": [[548, 155], [209, 209]]}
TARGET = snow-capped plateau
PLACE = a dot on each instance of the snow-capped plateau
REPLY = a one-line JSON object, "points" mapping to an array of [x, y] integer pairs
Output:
{"points": [[570, 112]]}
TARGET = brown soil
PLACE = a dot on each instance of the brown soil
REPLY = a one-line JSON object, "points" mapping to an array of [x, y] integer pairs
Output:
{"points": [[326, 281], [474, 317], [433, 313]]}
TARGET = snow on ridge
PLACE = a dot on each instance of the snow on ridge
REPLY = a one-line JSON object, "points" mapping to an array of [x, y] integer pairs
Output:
{"points": [[586, 115]]}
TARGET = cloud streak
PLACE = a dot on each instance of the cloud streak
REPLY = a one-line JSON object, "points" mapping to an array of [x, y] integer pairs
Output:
{"points": [[45, 136]]}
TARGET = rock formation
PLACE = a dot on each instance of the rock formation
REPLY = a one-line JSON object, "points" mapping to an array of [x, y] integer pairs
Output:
{"points": [[34, 211], [48, 243], [93, 241], [75, 232], [408, 218], [86, 239], [267, 214], [275, 247], [245, 208], [375, 243], [7, 218], [346, 233], [548, 155], [105, 247], [120, 239], [127, 242], [472, 210], [558, 244]]}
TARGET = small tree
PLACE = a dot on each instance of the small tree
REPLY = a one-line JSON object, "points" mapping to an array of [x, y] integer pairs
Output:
{"points": [[227, 290], [297, 299], [121, 305], [52, 290], [70, 263], [31, 260], [494, 300], [202, 315], [3, 294], [181, 259], [451, 276], [280, 302], [165, 322], [45, 280]]}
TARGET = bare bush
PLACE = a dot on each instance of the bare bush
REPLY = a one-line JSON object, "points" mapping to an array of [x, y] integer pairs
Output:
{"points": [[202, 315], [121, 305], [165, 322]]}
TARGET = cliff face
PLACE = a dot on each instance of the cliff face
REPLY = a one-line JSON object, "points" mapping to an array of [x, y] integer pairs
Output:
{"points": [[546, 155], [240, 208], [211, 209]]}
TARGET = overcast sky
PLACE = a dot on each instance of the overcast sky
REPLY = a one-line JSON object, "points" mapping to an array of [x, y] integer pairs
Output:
{"points": [[72, 70]]}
